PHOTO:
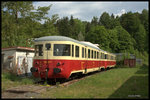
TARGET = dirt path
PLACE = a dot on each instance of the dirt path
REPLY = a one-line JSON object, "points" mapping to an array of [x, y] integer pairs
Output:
{"points": [[24, 91]]}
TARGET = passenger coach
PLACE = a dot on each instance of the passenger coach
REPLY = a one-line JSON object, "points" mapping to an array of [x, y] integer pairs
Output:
{"points": [[61, 57]]}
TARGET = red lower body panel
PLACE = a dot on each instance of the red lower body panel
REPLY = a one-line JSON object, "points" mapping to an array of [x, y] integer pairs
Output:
{"points": [[63, 68]]}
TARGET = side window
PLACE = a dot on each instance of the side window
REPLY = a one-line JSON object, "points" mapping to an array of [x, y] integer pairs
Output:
{"points": [[48, 46], [99, 55], [105, 56], [92, 54], [77, 51], [95, 54], [88, 53], [85, 52], [82, 52], [72, 50]]}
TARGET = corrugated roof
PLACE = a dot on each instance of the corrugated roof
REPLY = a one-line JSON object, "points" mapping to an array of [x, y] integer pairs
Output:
{"points": [[18, 48]]}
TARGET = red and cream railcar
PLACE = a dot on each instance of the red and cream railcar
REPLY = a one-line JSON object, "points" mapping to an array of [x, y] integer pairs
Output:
{"points": [[60, 57]]}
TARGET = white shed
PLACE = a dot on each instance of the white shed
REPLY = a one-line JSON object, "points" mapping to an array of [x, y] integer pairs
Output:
{"points": [[15, 58]]}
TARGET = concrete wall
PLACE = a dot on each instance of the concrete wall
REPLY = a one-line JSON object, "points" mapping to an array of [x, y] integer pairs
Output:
{"points": [[12, 64], [23, 53], [20, 55], [6, 61]]}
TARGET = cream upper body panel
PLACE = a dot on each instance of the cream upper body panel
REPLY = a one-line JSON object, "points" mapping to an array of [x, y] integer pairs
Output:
{"points": [[48, 54]]}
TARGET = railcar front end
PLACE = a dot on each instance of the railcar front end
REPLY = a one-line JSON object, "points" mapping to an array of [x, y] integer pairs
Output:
{"points": [[52, 60]]}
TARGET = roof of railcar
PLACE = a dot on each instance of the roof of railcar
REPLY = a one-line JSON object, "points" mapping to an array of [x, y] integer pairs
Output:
{"points": [[63, 38]]}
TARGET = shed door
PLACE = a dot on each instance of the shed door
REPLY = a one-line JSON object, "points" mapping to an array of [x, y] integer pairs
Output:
{"points": [[29, 61], [21, 69], [20, 65]]}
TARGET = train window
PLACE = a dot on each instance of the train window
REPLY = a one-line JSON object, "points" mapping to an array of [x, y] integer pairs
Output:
{"points": [[39, 50], [77, 51], [105, 56], [102, 55], [92, 54], [72, 50], [111, 57], [48, 46], [88, 53], [99, 55], [82, 52], [95, 54], [61, 50], [85, 52]]}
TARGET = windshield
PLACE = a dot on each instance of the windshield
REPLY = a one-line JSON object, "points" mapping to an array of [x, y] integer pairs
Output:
{"points": [[61, 50]]}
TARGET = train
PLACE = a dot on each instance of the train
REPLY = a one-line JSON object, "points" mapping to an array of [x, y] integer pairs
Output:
{"points": [[60, 57]]}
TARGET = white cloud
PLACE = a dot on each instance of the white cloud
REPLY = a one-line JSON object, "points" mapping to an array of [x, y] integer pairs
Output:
{"points": [[86, 10], [123, 11]]}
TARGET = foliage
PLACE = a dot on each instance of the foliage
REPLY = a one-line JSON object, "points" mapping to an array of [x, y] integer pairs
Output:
{"points": [[21, 22]]}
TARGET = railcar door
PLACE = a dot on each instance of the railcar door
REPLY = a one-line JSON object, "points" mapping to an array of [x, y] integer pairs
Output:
{"points": [[86, 59], [47, 52]]}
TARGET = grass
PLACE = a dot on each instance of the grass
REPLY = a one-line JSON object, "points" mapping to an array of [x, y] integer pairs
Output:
{"points": [[121, 82], [11, 80], [115, 83]]}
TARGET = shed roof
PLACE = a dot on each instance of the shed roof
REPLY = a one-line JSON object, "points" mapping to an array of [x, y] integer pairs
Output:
{"points": [[18, 48]]}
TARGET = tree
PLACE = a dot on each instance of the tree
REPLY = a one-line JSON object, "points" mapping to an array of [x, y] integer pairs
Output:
{"points": [[140, 37], [113, 38], [99, 35], [63, 26], [20, 23], [79, 30], [94, 21], [105, 20], [130, 22], [12, 12], [124, 39]]}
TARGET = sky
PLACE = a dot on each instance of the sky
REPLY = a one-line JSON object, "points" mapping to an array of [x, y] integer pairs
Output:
{"points": [[86, 10]]}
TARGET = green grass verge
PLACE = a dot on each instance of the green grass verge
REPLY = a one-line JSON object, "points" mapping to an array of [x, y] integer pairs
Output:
{"points": [[121, 82], [115, 83]]}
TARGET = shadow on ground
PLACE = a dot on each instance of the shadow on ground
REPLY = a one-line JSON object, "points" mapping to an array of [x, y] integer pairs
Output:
{"points": [[135, 87]]}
